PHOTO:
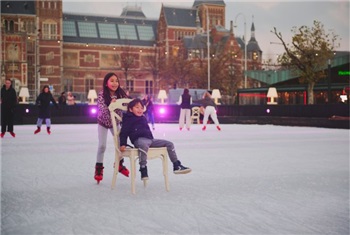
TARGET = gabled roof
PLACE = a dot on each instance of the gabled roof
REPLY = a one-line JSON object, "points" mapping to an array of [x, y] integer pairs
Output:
{"points": [[180, 17], [94, 29], [199, 41], [18, 7], [210, 2], [253, 45]]}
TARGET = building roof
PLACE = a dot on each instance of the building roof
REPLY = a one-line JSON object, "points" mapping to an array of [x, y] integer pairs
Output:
{"points": [[210, 2], [78, 28], [18, 7], [133, 11], [272, 77], [253, 43], [199, 41], [180, 17]]}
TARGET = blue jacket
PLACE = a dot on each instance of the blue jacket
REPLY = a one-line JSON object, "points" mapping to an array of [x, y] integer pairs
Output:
{"points": [[134, 127]]}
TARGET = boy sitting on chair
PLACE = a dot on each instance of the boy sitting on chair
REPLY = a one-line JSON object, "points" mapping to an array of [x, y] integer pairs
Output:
{"points": [[135, 126]]}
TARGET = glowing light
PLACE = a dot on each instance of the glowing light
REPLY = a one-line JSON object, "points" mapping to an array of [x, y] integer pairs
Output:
{"points": [[267, 110], [93, 111], [27, 110], [162, 110]]}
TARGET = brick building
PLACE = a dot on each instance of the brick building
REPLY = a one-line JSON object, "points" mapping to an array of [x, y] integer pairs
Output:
{"points": [[41, 44]]}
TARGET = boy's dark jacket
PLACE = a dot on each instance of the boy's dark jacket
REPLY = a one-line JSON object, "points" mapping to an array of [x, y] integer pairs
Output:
{"points": [[134, 127]]}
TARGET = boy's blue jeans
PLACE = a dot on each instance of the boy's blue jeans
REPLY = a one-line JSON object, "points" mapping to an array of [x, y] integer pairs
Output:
{"points": [[143, 144]]}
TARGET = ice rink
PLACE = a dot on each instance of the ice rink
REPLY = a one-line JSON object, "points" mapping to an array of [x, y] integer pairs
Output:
{"points": [[245, 179]]}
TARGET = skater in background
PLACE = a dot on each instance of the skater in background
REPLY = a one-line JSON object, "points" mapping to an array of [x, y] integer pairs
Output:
{"points": [[62, 100], [147, 102], [135, 127], [185, 102], [43, 103], [8, 105], [70, 99], [209, 110], [111, 91]]}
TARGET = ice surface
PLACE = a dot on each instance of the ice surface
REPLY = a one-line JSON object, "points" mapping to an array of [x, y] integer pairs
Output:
{"points": [[246, 179]]}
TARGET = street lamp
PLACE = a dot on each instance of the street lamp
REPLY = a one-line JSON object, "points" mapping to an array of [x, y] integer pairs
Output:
{"points": [[208, 46], [245, 47]]}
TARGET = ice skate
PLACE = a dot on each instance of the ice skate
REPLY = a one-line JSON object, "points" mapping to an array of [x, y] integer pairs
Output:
{"points": [[99, 172], [37, 130], [122, 169]]}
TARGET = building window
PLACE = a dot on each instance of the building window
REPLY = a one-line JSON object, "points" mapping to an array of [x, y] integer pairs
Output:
{"points": [[10, 26], [130, 85], [69, 28], [67, 84], [89, 85], [49, 31], [149, 87]]}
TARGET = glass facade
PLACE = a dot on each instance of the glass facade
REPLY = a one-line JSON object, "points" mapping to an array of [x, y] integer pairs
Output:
{"points": [[69, 29], [87, 29], [127, 31], [108, 31], [145, 32]]}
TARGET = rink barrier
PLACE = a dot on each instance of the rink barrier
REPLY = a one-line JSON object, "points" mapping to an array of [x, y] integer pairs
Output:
{"points": [[326, 115]]}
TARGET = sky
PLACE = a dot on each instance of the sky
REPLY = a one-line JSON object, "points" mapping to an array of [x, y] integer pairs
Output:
{"points": [[284, 15], [245, 179]]}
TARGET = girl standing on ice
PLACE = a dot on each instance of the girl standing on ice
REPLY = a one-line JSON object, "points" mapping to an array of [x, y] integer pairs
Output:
{"points": [[43, 102], [185, 101], [111, 91], [209, 110]]}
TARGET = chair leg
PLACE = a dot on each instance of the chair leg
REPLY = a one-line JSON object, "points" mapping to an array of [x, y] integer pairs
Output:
{"points": [[133, 174], [165, 171], [115, 174]]}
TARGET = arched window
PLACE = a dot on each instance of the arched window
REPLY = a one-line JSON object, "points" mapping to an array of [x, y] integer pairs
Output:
{"points": [[12, 26]]}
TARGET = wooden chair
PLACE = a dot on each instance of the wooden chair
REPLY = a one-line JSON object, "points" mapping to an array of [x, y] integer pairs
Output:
{"points": [[133, 153], [195, 115]]}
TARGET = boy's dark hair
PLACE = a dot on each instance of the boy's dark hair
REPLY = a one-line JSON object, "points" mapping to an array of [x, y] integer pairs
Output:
{"points": [[134, 102]]}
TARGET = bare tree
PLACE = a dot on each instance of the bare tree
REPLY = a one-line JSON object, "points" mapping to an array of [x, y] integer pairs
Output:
{"points": [[127, 61]]}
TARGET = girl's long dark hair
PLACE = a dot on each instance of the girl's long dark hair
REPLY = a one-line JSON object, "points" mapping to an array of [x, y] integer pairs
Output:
{"points": [[43, 90], [119, 93]]}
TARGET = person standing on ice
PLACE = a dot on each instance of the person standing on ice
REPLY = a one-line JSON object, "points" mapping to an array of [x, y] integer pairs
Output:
{"points": [[8, 104], [209, 110], [111, 91], [147, 102], [136, 128], [43, 102], [185, 101]]}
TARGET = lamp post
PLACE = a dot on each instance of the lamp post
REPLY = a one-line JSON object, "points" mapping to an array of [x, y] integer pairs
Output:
{"points": [[208, 46], [245, 47], [329, 81]]}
